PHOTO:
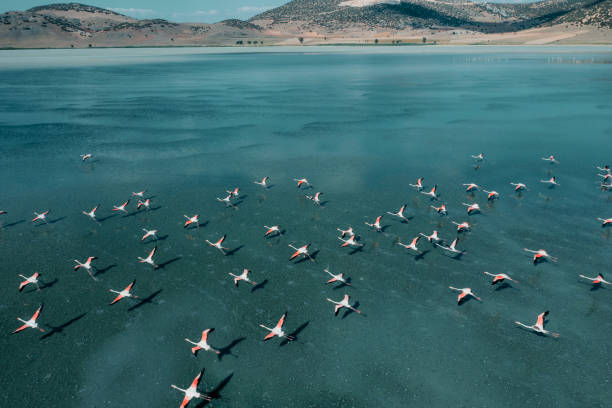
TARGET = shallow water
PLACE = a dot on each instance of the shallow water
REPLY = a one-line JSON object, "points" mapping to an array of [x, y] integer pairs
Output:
{"points": [[360, 124]]}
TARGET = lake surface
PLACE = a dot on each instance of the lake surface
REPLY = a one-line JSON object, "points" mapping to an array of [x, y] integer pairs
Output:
{"points": [[360, 124]]}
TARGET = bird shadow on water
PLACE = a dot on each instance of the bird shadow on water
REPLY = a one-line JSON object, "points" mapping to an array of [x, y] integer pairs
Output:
{"points": [[108, 217], [357, 249], [295, 333], [51, 221], [145, 301], [215, 393], [233, 251], [102, 271], [503, 285], [60, 329], [12, 224], [227, 350], [350, 311], [421, 255], [166, 263], [260, 285], [49, 284], [343, 284], [312, 257]]}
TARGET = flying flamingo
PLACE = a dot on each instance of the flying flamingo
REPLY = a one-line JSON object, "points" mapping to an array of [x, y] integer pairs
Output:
{"points": [[121, 207], [605, 168], [605, 222], [472, 208], [146, 204], [433, 238], [234, 193], [30, 323], [149, 233], [263, 182], [350, 241], [87, 265], [551, 159], [471, 187], [441, 209], [149, 258], [519, 186], [315, 198], [412, 245], [538, 327], [303, 250], [597, 280], [336, 278], [399, 213], [242, 277], [85, 156], [277, 330], [226, 200], [605, 177], [343, 303], [431, 193], [203, 343], [192, 220], [552, 181], [540, 255], [301, 181], [419, 184], [123, 293], [376, 224], [218, 244], [478, 157], [92, 214], [491, 195], [41, 216], [499, 277], [139, 194], [27, 280], [272, 229], [349, 231], [464, 226], [191, 392], [465, 292], [452, 248]]}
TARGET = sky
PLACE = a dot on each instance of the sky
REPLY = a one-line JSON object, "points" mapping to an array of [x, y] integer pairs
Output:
{"points": [[207, 11]]}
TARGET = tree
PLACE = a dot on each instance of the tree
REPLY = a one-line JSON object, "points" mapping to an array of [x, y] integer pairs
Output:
{"points": [[301, 40], [424, 40], [376, 41]]}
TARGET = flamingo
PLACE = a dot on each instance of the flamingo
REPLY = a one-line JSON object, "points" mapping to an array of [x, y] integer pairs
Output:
{"points": [[538, 327], [540, 255], [478, 157], [191, 220], [471, 187], [452, 248], [191, 392], [419, 184], [242, 277], [121, 207], [376, 224], [91, 214], [27, 280], [336, 278], [277, 330], [433, 238], [139, 194], [149, 233], [226, 200], [499, 277], [263, 182], [464, 226], [87, 265], [599, 279], [431, 193], [303, 250], [234, 193], [218, 244], [400, 213], [472, 208], [465, 292], [551, 159], [203, 343], [605, 177], [350, 241], [519, 186], [343, 303], [412, 245], [149, 258], [605, 222], [441, 209], [30, 323], [315, 198], [123, 293], [146, 204], [491, 195], [272, 229], [605, 168], [552, 181], [349, 231], [42, 216], [85, 156], [301, 181]]}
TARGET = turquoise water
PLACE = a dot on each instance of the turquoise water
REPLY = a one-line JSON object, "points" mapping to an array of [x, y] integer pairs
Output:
{"points": [[360, 124]]}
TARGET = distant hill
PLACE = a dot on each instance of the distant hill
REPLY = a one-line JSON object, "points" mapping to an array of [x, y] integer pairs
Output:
{"points": [[66, 25]]}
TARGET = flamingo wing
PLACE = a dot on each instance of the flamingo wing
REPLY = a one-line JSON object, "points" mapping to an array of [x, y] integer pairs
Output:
{"points": [[25, 326]]}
